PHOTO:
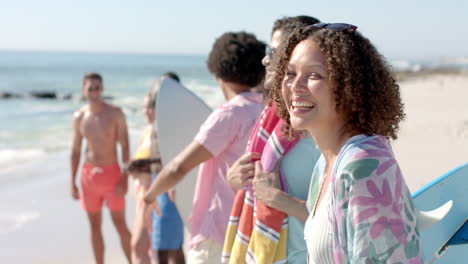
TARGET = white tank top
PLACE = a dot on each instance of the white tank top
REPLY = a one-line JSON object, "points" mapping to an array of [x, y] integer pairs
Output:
{"points": [[318, 234]]}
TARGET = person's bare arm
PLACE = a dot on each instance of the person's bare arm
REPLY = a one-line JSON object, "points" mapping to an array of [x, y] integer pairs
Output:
{"points": [[75, 153], [267, 189], [175, 170], [122, 138]]}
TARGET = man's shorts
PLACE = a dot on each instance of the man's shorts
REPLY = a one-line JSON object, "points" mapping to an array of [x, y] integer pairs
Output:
{"points": [[98, 185]]}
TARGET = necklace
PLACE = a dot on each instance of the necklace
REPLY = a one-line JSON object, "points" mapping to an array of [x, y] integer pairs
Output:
{"points": [[321, 183]]}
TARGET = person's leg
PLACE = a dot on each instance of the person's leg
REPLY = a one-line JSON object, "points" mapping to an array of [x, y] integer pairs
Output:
{"points": [[140, 241], [169, 256], [116, 204], [95, 220], [163, 256], [118, 218], [91, 201], [176, 256], [179, 256]]}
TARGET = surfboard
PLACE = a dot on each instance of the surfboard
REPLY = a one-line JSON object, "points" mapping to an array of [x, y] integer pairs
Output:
{"points": [[447, 240], [179, 115]]}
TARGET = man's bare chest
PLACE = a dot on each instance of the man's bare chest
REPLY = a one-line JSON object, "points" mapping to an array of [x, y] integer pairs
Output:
{"points": [[101, 127]]}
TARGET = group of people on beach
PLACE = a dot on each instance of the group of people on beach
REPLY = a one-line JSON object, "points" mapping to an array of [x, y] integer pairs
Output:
{"points": [[301, 172]]}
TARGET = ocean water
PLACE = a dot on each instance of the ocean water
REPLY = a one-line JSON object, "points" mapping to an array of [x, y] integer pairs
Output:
{"points": [[32, 128]]}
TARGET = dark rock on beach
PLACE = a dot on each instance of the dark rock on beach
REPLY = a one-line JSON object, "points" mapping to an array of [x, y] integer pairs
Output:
{"points": [[44, 94], [7, 95], [67, 97], [37, 95]]}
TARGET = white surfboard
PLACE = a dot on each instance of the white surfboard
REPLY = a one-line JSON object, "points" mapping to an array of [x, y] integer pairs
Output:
{"points": [[180, 114], [442, 243]]}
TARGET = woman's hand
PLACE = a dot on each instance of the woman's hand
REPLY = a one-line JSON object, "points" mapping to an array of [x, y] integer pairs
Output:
{"points": [[172, 194], [150, 206], [122, 187], [242, 171], [267, 189], [266, 185]]}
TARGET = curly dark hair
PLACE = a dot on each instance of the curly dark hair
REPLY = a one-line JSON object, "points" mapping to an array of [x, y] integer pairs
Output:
{"points": [[287, 24], [237, 57], [365, 88], [172, 75]]}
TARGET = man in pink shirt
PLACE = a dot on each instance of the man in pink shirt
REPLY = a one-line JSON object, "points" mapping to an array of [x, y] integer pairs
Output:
{"points": [[235, 61]]}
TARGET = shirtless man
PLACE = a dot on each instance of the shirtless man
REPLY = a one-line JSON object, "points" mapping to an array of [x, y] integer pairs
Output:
{"points": [[103, 126]]}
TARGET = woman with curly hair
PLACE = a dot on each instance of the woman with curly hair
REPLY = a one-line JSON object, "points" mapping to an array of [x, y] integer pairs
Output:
{"points": [[332, 82]]}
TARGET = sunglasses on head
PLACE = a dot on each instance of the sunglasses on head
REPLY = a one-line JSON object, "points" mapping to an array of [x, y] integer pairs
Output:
{"points": [[336, 26], [269, 51]]}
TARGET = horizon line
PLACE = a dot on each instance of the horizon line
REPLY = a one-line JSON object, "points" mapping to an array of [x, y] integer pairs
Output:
{"points": [[104, 52], [395, 58]]}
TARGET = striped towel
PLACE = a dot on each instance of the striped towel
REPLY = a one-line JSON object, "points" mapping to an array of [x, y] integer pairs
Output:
{"points": [[257, 233]]}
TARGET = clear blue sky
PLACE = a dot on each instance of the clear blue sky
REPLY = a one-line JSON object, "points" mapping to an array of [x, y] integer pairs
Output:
{"points": [[400, 29]]}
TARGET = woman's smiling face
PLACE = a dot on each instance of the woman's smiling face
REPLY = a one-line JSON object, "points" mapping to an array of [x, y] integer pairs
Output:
{"points": [[306, 89]]}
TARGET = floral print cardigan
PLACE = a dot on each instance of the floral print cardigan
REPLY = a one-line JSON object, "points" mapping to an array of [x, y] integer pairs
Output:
{"points": [[372, 212]]}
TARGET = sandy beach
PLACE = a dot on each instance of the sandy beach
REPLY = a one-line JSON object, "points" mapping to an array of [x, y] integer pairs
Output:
{"points": [[40, 223], [434, 137]]}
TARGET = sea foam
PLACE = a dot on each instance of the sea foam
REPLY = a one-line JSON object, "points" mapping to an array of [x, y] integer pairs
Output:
{"points": [[13, 157], [10, 222]]}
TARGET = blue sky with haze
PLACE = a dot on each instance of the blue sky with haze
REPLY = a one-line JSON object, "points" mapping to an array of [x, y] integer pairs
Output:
{"points": [[400, 29]]}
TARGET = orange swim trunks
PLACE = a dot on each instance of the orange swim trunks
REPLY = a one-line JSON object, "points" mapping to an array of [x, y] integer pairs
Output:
{"points": [[99, 184]]}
